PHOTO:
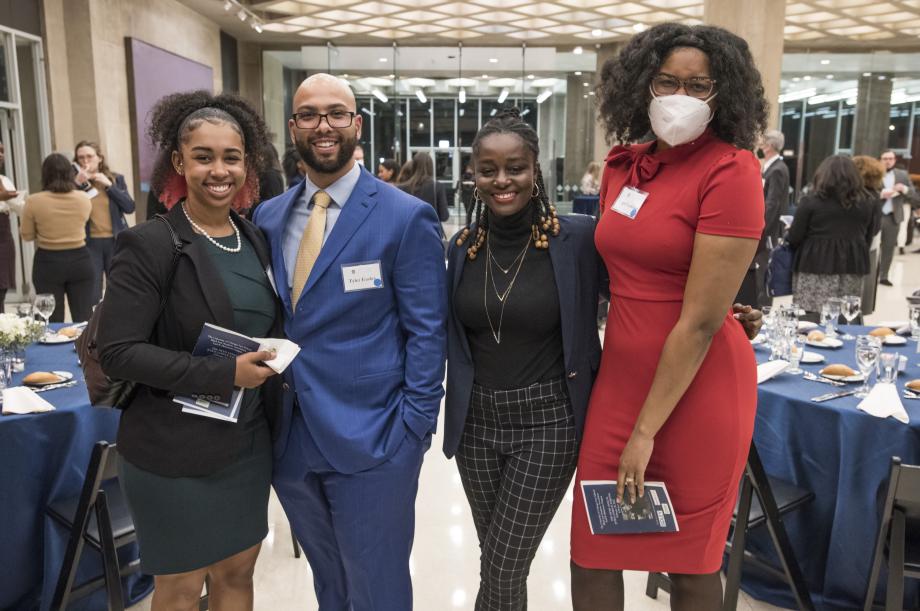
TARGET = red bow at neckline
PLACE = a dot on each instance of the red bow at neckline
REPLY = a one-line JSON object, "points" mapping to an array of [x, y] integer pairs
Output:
{"points": [[642, 166]]}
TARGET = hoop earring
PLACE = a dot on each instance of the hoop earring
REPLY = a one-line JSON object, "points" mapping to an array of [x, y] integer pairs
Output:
{"points": [[536, 191], [476, 196]]}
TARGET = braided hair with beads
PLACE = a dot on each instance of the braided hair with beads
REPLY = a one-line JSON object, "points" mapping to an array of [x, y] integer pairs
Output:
{"points": [[544, 220]]}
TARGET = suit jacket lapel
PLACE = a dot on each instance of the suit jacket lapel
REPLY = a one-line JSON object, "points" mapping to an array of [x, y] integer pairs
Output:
{"points": [[459, 260], [275, 230], [353, 213], [561, 256]]}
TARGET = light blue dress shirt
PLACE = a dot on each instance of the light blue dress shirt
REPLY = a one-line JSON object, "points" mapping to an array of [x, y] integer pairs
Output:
{"points": [[888, 183], [339, 191]]}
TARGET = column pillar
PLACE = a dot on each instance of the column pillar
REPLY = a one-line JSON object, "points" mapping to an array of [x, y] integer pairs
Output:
{"points": [[579, 126], [601, 146], [760, 23], [873, 107]]}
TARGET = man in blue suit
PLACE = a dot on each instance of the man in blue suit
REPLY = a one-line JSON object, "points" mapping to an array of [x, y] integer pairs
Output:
{"points": [[360, 267]]}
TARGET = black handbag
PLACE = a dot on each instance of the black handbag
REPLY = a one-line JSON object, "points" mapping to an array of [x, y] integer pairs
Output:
{"points": [[104, 391]]}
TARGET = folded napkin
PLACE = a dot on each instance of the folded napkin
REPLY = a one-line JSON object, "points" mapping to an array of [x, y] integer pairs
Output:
{"points": [[21, 400], [883, 401], [770, 369]]}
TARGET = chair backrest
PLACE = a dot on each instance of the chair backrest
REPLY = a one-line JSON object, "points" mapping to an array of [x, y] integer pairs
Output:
{"points": [[102, 466], [907, 488]]}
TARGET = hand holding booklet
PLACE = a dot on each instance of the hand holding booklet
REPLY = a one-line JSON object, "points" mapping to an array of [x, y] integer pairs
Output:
{"points": [[653, 512], [224, 343]]}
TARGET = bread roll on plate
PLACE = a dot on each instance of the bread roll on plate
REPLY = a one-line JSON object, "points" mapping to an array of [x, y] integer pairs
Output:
{"points": [[42, 377], [816, 336], [914, 385], [881, 332], [837, 369]]}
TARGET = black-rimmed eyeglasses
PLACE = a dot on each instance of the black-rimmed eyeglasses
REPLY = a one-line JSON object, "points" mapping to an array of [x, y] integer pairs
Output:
{"points": [[311, 120], [700, 87]]}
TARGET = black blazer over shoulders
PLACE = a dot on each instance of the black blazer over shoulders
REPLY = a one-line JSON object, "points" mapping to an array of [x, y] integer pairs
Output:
{"points": [[153, 433], [435, 195], [579, 275]]}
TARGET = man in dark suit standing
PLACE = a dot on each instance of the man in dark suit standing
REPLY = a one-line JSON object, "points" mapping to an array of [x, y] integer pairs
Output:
{"points": [[897, 190], [776, 199]]}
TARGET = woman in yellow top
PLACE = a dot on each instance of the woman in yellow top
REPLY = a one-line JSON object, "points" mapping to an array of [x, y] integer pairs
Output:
{"points": [[110, 205], [55, 218]]}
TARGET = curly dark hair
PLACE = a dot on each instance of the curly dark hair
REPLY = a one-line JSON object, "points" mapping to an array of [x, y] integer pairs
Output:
{"points": [[509, 121], [838, 179], [175, 116], [623, 93]]}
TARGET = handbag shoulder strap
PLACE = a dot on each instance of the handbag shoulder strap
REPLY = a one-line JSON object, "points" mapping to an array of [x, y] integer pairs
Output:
{"points": [[177, 252]]}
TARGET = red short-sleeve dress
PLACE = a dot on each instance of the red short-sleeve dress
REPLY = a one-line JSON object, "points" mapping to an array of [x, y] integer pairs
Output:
{"points": [[706, 186]]}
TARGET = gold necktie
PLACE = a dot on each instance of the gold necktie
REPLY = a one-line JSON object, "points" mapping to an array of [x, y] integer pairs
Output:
{"points": [[310, 244]]}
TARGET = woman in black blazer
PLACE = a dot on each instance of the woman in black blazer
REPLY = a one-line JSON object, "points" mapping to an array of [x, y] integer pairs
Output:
{"points": [[417, 178], [523, 350], [110, 205], [197, 487]]}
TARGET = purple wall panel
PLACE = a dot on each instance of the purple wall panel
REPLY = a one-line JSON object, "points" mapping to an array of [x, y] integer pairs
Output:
{"points": [[155, 73]]}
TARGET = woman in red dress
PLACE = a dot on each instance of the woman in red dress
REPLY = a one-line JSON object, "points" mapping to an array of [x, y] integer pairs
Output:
{"points": [[676, 393]]}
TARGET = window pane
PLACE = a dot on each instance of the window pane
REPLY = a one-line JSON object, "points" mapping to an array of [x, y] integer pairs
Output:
{"points": [[790, 123], [529, 112], [419, 123], [364, 109], [444, 122], [847, 117], [820, 136], [467, 121], [389, 130], [898, 126], [4, 73], [914, 164], [490, 108]]}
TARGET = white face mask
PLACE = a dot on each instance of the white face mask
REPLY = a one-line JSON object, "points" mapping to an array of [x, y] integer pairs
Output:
{"points": [[678, 119]]}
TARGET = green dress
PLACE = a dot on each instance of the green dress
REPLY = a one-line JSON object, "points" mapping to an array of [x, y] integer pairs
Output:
{"points": [[187, 523]]}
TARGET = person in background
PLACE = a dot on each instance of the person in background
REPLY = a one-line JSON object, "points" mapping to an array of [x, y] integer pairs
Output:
{"points": [[11, 201], [418, 179], [387, 170], [676, 391], [897, 190], [55, 218], [359, 154], [271, 179], [110, 206], [775, 175], [591, 181], [831, 234], [466, 186], [294, 167], [872, 171], [197, 487]]}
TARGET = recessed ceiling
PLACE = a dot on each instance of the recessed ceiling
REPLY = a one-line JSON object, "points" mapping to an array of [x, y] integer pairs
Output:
{"points": [[851, 24]]}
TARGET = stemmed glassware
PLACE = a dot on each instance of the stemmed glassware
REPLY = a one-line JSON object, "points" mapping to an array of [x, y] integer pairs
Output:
{"points": [[868, 349], [851, 306], [914, 319], [44, 306], [795, 348], [830, 314]]}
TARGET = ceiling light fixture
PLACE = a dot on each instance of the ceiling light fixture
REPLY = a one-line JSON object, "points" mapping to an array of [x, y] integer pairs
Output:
{"points": [[461, 96], [524, 113], [597, 33], [577, 50], [493, 60], [257, 26], [825, 62], [421, 96], [530, 77], [867, 74], [380, 95], [228, 5], [578, 73], [492, 113], [485, 76], [639, 27], [806, 78], [503, 96], [544, 96], [382, 60], [241, 15]]}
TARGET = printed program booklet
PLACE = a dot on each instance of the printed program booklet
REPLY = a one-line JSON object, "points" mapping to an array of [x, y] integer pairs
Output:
{"points": [[224, 343], [653, 512]]}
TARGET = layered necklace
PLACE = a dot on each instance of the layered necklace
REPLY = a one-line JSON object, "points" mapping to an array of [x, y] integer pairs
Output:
{"points": [[239, 240], [502, 296]]}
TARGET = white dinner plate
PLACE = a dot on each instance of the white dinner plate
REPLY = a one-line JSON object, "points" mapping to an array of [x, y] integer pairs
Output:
{"points": [[893, 324], [894, 340], [807, 325], [854, 378], [54, 338], [760, 339], [827, 342], [64, 375], [812, 357]]}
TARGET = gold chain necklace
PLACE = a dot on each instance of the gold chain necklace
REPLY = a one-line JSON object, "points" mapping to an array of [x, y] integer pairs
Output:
{"points": [[497, 335]]}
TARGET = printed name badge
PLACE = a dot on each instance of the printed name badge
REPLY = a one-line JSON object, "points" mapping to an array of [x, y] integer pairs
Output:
{"points": [[362, 276], [629, 202]]}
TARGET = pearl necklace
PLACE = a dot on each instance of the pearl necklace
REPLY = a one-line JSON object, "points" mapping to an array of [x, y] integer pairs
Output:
{"points": [[239, 240]]}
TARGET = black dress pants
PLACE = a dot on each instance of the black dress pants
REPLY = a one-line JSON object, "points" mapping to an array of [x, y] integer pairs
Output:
{"points": [[65, 272], [516, 460], [100, 251]]}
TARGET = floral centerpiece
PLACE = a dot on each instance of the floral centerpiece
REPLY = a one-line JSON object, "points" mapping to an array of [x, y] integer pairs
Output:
{"points": [[16, 332]]}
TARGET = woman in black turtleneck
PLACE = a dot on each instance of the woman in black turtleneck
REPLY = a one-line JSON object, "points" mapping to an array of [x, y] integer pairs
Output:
{"points": [[522, 351]]}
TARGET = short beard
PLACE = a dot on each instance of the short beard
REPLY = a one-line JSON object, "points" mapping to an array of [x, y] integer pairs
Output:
{"points": [[347, 147]]}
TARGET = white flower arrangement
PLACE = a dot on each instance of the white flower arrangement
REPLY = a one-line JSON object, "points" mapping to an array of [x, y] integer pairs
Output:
{"points": [[17, 333]]}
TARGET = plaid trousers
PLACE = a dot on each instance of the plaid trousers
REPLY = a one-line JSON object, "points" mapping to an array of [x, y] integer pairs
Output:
{"points": [[516, 459]]}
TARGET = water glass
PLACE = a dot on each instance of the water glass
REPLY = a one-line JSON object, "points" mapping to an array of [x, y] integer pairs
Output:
{"points": [[44, 306], [888, 367], [769, 319], [914, 318], [868, 349], [830, 314], [795, 344], [850, 310]]}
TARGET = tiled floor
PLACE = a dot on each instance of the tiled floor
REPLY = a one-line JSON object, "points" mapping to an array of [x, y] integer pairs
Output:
{"points": [[445, 561]]}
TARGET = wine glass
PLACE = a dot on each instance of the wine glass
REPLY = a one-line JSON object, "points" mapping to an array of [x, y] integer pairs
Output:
{"points": [[830, 314], [44, 305], [914, 314], [868, 349], [851, 305]]}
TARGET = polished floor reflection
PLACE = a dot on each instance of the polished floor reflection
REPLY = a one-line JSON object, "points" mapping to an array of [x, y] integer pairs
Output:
{"points": [[445, 561]]}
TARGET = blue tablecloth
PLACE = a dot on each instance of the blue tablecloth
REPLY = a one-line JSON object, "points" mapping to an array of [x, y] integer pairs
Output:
{"points": [[586, 204], [844, 456], [43, 457]]}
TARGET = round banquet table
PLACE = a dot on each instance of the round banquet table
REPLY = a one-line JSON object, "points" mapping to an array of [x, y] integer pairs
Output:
{"points": [[43, 458], [585, 204], [843, 455]]}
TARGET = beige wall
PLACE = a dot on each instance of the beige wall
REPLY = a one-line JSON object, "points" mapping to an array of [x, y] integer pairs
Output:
{"points": [[87, 65]]}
